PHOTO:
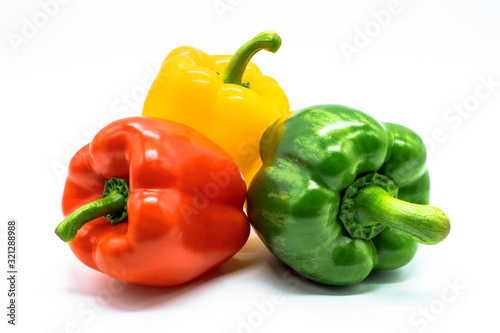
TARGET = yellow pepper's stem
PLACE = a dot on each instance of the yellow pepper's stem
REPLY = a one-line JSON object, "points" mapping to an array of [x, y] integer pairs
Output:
{"points": [[267, 40]]}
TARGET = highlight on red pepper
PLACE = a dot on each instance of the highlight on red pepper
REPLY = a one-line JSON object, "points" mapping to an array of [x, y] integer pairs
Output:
{"points": [[153, 202]]}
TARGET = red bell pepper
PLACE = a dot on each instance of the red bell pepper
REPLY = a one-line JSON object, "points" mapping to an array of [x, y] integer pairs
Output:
{"points": [[172, 207]]}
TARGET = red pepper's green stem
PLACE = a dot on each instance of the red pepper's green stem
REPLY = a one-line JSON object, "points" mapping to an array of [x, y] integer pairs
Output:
{"points": [[425, 224], [113, 205], [267, 40]]}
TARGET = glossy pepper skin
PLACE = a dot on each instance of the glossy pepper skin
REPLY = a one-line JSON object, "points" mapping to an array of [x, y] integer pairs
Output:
{"points": [[324, 201], [224, 97], [175, 199]]}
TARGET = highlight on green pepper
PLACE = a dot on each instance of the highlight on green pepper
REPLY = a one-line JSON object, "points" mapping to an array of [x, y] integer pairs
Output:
{"points": [[340, 194]]}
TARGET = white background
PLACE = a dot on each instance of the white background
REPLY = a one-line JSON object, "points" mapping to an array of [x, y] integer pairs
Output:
{"points": [[65, 78]]}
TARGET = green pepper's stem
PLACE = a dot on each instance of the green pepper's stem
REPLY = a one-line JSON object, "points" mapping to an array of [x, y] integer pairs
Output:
{"points": [[267, 40], [113, 206], [425, 224]]}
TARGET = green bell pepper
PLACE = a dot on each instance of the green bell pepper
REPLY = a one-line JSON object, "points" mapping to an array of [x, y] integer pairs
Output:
{"points": [[340, 194]]}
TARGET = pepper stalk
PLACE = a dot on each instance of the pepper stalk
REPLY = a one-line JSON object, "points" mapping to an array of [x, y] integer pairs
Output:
{"points": [[112, 205], [267, 40], [370, 205]]}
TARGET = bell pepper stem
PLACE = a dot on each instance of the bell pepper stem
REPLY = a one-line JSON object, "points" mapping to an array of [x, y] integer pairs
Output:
{"points": [[267, 40], [425, 224], [113, 205], [68, 228]]}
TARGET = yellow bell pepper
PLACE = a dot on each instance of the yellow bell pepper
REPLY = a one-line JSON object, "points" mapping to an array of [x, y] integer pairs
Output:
{"points": [[224, 97]]}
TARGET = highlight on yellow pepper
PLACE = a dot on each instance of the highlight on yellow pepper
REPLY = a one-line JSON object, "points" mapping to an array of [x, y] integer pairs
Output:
{"points": [[226, 98]]}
